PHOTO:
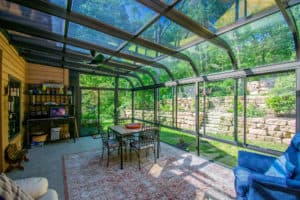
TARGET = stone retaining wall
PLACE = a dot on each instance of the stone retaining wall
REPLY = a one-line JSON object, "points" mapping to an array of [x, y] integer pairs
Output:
{"points": [[220, 121]]}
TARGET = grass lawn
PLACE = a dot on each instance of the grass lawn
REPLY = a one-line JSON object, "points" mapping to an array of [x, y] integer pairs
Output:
{"points": [[213, 150]]}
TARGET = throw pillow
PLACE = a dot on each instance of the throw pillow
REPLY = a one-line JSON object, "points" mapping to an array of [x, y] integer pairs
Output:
{"points": [[9, 190], [281, 168]]}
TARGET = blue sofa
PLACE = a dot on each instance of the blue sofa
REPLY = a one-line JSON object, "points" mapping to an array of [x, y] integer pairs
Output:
{"points": [[252, 183]]}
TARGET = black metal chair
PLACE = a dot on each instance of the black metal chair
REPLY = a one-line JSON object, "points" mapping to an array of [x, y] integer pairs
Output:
{"points": [[147, 139], [109, 142]]}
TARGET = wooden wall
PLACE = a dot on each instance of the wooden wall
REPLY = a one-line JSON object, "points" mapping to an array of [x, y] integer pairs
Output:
{"points": [[37, 74], [11, 64]]}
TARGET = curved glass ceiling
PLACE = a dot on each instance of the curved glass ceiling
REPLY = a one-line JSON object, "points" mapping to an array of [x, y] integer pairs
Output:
{"points": [[209, 58], [30, 17], [92, 36], [141, 51], [179, 68], [210, 14], [127, 15], [168, 33], [262, 42], [254, 40]]}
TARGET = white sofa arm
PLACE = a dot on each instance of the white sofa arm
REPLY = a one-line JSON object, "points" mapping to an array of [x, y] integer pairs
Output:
{"points": [[35, 187], [50, 195]]}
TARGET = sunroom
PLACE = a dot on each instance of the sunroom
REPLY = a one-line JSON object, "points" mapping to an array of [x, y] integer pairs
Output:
{"points": [[190, 95]]}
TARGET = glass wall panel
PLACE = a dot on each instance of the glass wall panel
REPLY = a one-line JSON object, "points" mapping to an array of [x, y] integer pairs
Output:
{"points": [[202, 98], [211, 14], [186, 107], [253, 6], [87, 80], [128, 15], [125, 104], [90, 116], [92, 36], [166, 106], [106, 108], [296, 15], [140, 51], [271, 104], [179, 68], [144, 105], [262, 42], [32, 17], [209, 58], [168, 33], [220, 109], [160, 74], [241, 109]]}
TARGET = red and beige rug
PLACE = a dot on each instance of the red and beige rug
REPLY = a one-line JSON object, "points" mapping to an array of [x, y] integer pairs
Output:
{"points": [[176, 175]]}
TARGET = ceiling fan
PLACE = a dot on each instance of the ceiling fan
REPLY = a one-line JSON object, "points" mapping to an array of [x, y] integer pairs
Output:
{"points": [[98, 58]]}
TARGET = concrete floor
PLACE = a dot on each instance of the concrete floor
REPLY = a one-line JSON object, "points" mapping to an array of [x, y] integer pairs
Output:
{"points": [[46, 161]]}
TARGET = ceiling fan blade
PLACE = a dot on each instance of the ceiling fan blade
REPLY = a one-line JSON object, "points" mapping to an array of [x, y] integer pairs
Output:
{"points": [[93, 52], [97, 59]]}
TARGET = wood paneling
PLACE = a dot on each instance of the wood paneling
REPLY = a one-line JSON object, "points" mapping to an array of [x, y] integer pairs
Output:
{"points": [[37, 74], [11, 65]]}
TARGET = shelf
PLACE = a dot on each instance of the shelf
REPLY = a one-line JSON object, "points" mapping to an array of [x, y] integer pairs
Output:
{"points": [[51, 105], [67, 95]]}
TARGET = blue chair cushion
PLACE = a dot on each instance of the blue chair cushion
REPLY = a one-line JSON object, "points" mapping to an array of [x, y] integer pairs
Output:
{"points": [[241, 180], [296, 141], [297, 168], [281, 167]]}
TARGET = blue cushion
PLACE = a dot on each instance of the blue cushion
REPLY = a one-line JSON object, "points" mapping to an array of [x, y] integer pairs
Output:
{"points": [[281, 168], [297, 168], [241, 180], [296, 141]]}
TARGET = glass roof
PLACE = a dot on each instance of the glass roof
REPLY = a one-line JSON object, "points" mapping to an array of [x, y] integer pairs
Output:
{"points": [[92, 36], [209, 58], [31, 17], [179, 68], [262, 42], [211, 14], [255, 6], [36, 40], [61, 3], [128, 15], [141, 51], [168, 33], [266, 40], [77, 49]]}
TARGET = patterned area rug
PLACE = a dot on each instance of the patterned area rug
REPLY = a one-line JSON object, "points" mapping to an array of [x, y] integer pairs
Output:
{"points": [[176, 175]]}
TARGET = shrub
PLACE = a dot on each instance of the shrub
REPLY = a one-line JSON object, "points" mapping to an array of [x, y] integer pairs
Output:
{"points": [[281, 104]]}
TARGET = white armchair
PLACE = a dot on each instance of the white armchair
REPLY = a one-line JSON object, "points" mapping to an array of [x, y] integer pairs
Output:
{"points": [[28, 188]]}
